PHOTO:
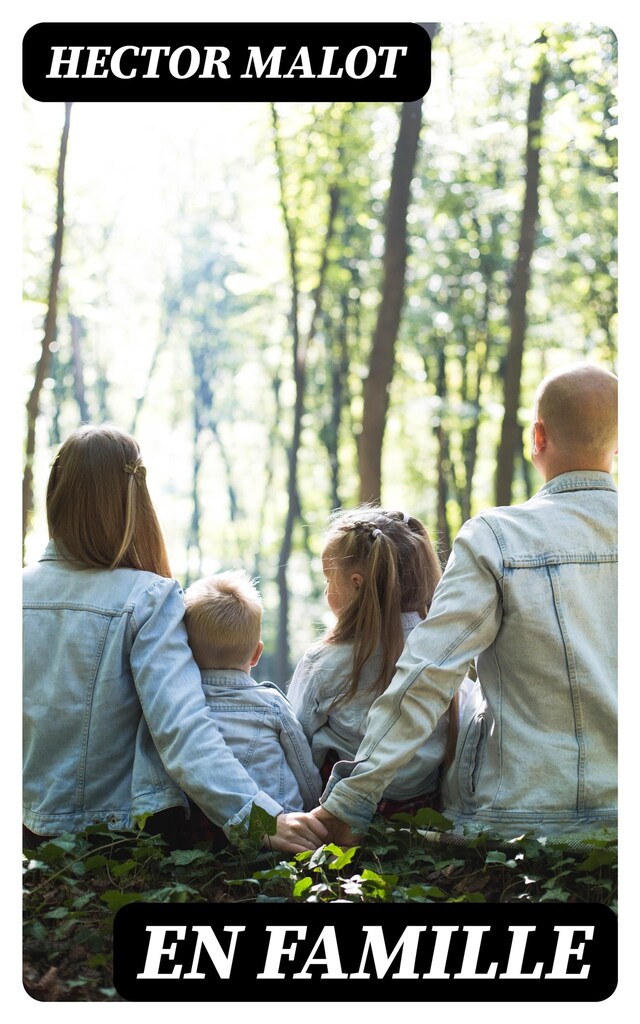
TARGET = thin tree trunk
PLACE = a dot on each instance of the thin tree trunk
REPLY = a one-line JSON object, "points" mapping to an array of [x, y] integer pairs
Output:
{"points": [[78, 368], [44, 362], [444, 466], [511, 437], [382, 358], [300, 347], [339, 371]]}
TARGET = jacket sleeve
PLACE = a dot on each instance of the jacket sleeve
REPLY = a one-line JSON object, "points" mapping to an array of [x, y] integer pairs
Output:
{"points": [[299, 758], [463, 621], [167, 681]]}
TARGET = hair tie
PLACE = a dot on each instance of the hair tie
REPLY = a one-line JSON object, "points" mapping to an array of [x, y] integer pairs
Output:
{"points": [[406, 518], [377, 533]]}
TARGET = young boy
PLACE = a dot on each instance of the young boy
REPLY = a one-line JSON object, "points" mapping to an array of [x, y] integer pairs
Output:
{"points": [[223, 619]]}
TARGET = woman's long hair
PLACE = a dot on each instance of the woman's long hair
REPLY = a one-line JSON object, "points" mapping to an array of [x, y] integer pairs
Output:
{"points": [[400, 570], [98, 507]]}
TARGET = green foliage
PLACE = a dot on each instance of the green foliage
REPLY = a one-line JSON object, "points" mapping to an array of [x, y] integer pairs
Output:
{"points": [[175, 303], [74, 885]]}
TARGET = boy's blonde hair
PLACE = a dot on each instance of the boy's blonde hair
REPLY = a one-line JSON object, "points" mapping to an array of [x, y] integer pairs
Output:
{"points": [[223, 619]]}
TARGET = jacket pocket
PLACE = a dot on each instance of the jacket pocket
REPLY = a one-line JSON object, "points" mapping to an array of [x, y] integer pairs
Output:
{"points": [[461, 780]]}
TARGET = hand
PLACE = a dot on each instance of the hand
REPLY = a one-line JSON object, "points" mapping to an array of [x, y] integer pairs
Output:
{"points": [[339, 830], [297, 832]]}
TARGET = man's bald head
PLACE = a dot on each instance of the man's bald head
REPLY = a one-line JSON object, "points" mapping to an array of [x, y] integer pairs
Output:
{"points": [[578, 409]]}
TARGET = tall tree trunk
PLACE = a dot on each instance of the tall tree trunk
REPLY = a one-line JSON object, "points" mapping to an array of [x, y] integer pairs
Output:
{"points": [[44, 362], [78, 368], [444, 465], [301, 344], [382, 358], [511, 437]]}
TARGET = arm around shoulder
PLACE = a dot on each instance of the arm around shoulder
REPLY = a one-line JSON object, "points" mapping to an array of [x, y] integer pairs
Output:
{"points": [[167, 681]]}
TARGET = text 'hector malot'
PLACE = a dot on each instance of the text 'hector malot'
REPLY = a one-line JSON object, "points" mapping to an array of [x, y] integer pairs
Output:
{"points": [[187, 61]]}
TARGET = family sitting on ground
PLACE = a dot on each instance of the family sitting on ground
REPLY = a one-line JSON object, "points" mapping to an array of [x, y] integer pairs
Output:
{"points": [[488, 692]]}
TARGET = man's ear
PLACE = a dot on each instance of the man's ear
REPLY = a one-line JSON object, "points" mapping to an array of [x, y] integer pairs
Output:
{"points": [[539, 437], [257, 654]]}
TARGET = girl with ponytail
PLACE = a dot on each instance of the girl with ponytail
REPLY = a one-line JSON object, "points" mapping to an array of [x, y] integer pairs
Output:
{"points": [[381, 571]]}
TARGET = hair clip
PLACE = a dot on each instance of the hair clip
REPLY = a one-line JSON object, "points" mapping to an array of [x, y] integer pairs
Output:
{"points": [[406, 518], [134, 468]]}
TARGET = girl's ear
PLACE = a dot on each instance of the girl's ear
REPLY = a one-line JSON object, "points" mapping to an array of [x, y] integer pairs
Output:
{"points": [[357, 579]]}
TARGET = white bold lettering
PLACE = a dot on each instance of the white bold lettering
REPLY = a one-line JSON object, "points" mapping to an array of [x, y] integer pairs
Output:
{"points": [[331, 960], [441, 950], [154, 56], [375, 942], [255, 58], [95, 61], [211, 60], [304, 65], [174, 60], [58, 60], [471, 952], [517, 951], [221, 961], [117, 57], [564, 950], [392, 54], [157, 950], [329, 53], [277, 949], [350, 62]]}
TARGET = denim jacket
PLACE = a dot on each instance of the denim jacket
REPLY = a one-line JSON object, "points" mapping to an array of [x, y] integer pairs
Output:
{"points": [[115, 720], [531, 590], [322, 674], [259, 726]]}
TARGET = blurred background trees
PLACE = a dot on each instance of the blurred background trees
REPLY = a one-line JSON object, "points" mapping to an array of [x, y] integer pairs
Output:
{"points": [[222, 279]]}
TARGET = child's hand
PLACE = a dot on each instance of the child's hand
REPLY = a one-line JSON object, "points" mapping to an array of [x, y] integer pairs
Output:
{"points": [[339, 831], [297, 832]]}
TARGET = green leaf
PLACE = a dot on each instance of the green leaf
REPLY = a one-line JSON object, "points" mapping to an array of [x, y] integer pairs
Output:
{"points": [[495, 857], [468, 897], [343, 858], [302, 886], [96, 861], [597, 859], [123, 868], [116, 899], [555, 895], [429, 891], [261, 823], [181, 857], [425, 817]]}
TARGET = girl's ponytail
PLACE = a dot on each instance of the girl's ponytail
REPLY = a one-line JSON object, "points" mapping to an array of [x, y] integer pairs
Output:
{"points": [[378, 621], [400, 570]]}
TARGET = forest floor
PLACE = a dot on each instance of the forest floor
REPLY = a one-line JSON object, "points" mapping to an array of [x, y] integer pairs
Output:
{"points": [[75, 885]]}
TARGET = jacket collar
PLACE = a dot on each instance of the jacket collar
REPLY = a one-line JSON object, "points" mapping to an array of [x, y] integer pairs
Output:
{"points": [[579, 480]]}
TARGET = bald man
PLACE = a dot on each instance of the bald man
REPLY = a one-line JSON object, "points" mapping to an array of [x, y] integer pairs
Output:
{"points": [[530, 593]]}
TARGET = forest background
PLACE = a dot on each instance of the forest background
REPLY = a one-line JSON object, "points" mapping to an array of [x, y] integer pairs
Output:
{"points": [[295, 307], [209, 252]]}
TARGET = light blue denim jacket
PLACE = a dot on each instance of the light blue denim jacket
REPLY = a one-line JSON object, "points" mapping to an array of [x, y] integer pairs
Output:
{"points": [[115, 720], [531, 590], [259, 726], [321, 675]]}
